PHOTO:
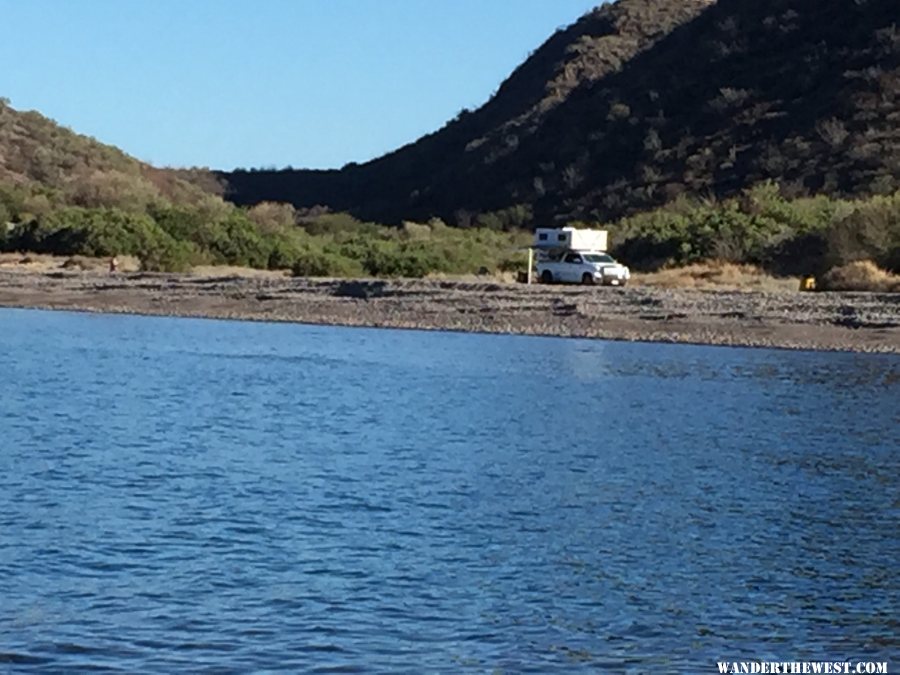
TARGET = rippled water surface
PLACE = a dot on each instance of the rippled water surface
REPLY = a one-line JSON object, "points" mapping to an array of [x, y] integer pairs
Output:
{"points": [[184, 495]]}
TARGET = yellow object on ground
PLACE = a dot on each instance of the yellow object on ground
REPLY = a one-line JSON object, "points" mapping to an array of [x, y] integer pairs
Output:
{"points": [[808, 283]]}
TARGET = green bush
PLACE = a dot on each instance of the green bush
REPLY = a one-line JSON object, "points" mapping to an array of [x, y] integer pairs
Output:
{"points": [[389, 259], [319, 263], [762, 227], [871, 232], [284, 252], [174, 256], [334, 224], [90, 232], [238, 242], [101, 233]]}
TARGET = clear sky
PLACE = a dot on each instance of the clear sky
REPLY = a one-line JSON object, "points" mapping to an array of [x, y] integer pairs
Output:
{"points": [[244, 83]]}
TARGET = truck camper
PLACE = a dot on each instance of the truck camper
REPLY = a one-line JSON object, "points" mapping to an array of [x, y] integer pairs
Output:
{"points": [[570, 255]]}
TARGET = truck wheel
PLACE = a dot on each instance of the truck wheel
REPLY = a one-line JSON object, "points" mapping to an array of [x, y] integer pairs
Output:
{"points": [[546, 277], [587, 279]]}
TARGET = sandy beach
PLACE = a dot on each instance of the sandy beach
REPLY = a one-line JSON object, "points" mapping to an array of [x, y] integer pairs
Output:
{"points": [[860, 322]]}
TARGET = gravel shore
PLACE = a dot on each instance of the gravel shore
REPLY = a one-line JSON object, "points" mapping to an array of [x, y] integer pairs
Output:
{"points": [[861, 322]]}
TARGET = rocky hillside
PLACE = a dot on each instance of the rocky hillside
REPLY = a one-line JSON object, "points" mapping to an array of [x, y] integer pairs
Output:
{"points": [[642, 101], [45, 166], [66, 194]]}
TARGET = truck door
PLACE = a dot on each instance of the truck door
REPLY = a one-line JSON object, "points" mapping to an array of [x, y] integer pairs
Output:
{"points": [[571, 268]]}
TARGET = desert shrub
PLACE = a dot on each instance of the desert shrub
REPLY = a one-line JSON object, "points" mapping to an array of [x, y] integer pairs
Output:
{"points": [[25, 203], [802, 215], [413, 230], [238, 242], [407, 259], [871, 232], [272, 217], [331, 224], [321, 263], [715, 274], [96, 188], [185, 224], [761, 227], [12, 201], [652, 240], [284, 251], [412, 253], [104, 232], [513, 263], [862, 275], [233, 239], [90, 232], [172, 256]]}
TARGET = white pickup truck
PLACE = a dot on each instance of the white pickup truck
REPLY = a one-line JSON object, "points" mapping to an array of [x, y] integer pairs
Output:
{"points": [[583, 267]]}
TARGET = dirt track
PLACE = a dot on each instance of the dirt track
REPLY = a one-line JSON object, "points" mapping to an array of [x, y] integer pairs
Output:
{"points": [[829, 321]]}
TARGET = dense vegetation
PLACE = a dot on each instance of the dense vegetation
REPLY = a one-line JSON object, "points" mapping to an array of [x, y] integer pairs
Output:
{"points": [[761, 226], [764, 228], [268, 236], [642, 101]]}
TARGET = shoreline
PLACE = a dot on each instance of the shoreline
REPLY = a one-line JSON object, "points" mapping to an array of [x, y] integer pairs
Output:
{"points": [[848, 322]]}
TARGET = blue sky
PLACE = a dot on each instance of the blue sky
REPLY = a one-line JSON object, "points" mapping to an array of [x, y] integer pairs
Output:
{"points": [[227, 83]]}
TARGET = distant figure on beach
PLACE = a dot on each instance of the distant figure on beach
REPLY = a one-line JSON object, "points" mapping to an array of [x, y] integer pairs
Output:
{"points": [[113, 264]]}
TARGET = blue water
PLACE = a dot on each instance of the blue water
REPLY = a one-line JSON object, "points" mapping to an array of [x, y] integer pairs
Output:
{"points": [[203, 496]]}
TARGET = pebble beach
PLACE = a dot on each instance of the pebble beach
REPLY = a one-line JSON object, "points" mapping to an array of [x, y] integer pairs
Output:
{"points": [[858, 322]]}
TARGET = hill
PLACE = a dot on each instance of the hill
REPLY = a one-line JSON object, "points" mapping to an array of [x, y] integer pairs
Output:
{"points": [[44, 165], [66, 194], [640, 102]]}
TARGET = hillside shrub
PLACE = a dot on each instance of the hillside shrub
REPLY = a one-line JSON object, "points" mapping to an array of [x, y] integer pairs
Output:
{"points": [[101, 233], [761, 227], [862, 275], [871, 232], [321, 263]]}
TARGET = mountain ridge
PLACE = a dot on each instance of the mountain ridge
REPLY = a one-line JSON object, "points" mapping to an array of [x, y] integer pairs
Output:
{"points": [[664, 98], [554, 70]]}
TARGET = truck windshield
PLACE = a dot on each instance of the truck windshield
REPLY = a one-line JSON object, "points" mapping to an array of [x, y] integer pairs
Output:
{"points": [[596, 258]]}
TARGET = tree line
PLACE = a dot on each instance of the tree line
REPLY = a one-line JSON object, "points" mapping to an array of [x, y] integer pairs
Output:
{"points": [[759, 227]]}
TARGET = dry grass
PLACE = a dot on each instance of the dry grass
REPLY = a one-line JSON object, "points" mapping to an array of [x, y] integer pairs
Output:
{"points": [[38, 262], [714, 275], [495, 277], [234, 271], [863, 275]]}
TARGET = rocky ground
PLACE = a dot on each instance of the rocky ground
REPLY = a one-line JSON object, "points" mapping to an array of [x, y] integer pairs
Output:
{"points": [[827, 321]]}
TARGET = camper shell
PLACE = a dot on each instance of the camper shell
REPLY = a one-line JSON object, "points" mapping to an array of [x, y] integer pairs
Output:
{"points": [[570, 239]]}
